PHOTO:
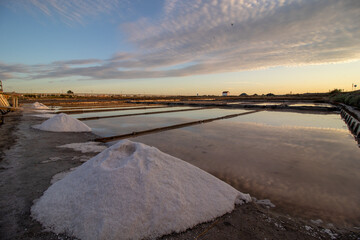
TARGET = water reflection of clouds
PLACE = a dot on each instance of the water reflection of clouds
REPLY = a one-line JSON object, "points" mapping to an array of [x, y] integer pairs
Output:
{"points": [[290, 127], [304, 163], [123, 112], [293, 119], [124, 125], [311, 172]]}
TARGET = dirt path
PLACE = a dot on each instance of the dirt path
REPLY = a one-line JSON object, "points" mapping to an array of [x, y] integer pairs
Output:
{"points": [[23, 178]]}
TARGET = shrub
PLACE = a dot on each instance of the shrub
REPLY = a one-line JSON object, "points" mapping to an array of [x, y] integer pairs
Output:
{"points": [[352, 99]]}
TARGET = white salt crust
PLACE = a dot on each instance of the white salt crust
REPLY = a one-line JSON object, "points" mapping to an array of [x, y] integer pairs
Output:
{"points": [[63, 123], [133, 191]]}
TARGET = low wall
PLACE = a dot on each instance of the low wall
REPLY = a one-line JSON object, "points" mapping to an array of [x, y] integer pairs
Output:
{"points": [[352, 121]]}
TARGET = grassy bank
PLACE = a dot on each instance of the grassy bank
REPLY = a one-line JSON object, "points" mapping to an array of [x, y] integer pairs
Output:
{"points": [[349, 98]]}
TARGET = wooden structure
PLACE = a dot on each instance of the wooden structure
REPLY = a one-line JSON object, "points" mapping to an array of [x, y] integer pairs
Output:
{"points": [[4, 103]]}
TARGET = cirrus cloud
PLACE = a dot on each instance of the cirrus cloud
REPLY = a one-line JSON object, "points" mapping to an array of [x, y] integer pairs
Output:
{"points": [[70, 12]]}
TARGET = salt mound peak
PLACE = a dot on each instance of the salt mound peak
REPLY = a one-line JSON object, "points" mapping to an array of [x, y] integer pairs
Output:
{"points": [[63, 123], [133, 191], [38, 105]]}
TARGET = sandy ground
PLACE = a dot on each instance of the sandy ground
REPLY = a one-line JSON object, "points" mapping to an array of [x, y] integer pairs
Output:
{"points": [[24, 176]]}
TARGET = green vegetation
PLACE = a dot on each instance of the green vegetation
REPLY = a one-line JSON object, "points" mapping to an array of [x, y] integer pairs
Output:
{"points": [[349, 98]]}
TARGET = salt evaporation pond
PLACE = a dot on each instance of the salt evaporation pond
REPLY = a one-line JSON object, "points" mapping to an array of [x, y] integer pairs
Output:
{"points": [[122, 112], [309, 171], [96, 108], [117, 126], [306, 164], [256, 103], [310, 105], [123, 105], [293, 119]]}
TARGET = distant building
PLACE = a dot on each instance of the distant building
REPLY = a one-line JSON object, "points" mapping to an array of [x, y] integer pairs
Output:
{"points": [[225, 93]]}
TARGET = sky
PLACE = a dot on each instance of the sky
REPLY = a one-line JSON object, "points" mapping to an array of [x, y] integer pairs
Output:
{"points": [[179, 47]]}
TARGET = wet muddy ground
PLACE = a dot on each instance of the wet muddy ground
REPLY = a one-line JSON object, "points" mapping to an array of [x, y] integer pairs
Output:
{"points": [[29, 158]]}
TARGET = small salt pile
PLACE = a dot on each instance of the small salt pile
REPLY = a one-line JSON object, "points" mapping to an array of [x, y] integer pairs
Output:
{"points": [[63, 123], [133, 191], [38, 105]]}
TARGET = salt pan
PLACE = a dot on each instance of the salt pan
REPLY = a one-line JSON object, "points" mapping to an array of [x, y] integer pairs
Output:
{"points": [[63, 123], [133, 191]]}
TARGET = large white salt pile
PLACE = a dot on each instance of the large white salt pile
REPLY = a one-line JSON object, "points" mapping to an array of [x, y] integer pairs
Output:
{"points": [[133, 191], [38, 105], [63, 123]]}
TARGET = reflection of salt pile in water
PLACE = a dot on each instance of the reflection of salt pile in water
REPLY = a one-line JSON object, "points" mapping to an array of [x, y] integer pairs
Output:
{"points": [[44, 115], [63, 123], [133, 191], [38, 105]]}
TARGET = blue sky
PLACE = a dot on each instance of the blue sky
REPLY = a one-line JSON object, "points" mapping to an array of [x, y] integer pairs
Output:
{"points": [[179, 46]]}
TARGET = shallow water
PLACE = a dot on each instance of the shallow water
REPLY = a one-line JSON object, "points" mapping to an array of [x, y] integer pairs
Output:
{"points": [[309, 172], [122, 112], [85, 109], [117, 126], [291, 119], [310, 105], [105, 107], [279, 103], [308, 165], [256, 103]]}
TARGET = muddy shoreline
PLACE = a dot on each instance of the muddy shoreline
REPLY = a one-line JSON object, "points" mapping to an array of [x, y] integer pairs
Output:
{"points": [[24, 177]]}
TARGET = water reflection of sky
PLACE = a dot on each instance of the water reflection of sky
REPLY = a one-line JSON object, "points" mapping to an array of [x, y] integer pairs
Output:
{"points": [[279, 103], [95, 108], [256, 103], [307, 164], [88, 109], [312, 173], [106, 106], [117, 126], [291, 119], [310, 105], [122, 112]]}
